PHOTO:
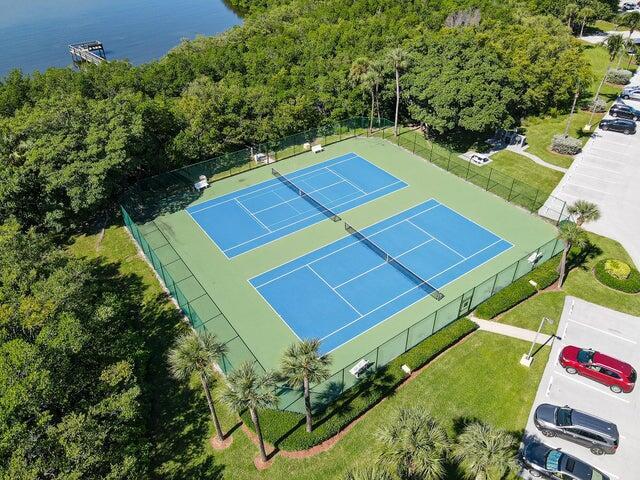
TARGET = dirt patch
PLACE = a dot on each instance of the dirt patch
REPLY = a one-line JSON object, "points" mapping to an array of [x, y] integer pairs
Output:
{"points": [[220, 445]]}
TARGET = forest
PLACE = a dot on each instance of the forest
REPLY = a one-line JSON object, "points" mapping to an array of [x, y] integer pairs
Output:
{"points": [[76, 391]]}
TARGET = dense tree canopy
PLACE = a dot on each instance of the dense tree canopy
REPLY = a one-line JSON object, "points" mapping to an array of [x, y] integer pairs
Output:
{"points": [[70, 141]]}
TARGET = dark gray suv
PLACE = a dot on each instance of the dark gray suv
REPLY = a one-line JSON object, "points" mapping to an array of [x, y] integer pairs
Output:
{"points": [[578, 427]]}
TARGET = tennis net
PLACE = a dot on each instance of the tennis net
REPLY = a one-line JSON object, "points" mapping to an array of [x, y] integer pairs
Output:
{"points": [[422, 283], [328, 212]]}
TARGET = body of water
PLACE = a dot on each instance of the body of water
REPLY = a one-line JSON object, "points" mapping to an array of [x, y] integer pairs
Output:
{"points": [[35, 34]]}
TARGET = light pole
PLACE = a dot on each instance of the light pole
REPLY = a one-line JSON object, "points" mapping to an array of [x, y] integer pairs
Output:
{"points": [[527, 358]]}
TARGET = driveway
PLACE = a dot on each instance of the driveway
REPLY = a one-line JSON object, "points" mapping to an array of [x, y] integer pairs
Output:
{"points": [[607, 172], [587, 325]]}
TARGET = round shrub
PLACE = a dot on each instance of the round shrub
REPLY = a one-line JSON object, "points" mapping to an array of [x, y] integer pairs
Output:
{"points": [[617, 268], [597, 106], [619, 76], [631, 284], [566, 145]]}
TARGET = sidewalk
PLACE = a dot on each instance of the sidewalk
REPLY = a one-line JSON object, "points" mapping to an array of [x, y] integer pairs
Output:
{"points": [[508, 330], [535, 158]]}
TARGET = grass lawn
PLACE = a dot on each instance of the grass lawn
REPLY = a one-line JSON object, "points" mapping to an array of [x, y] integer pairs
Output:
{"points": [[606, 26], [580, 283], [540, 130], [179, 426], [449, 388], [525, 170]]}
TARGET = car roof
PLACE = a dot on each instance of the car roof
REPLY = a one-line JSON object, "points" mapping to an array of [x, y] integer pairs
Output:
{"points": [[576, 467], [614, 363], [582, 419], [619, 120]]}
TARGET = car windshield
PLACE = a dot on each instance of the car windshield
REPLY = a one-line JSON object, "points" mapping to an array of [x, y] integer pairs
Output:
{"points": [[585, 356], [553, 460], [632, 376], [595, 475], [563, 417]]}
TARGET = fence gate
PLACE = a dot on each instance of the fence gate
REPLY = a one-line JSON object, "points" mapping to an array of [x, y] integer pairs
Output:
{"points": [[465, 304]]}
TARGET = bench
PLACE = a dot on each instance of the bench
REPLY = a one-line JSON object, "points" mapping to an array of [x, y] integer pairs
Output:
{"points": [[359, 368], [317, 148], [202, 183]]}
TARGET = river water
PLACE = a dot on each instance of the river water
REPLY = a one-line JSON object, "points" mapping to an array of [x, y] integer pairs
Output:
{"points": [[35, 34]]}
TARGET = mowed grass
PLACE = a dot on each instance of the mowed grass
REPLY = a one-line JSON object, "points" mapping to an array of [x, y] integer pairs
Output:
{"points": [[580, 283], [527, 171], [478, 378]]}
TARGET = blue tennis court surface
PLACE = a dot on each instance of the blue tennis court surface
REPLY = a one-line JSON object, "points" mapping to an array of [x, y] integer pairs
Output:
{"points": [[345, 288], [256, 215]]}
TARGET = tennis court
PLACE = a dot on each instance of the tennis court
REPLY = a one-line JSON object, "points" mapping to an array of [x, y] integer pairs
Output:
{"points": [[254, 216], [351, 285]]}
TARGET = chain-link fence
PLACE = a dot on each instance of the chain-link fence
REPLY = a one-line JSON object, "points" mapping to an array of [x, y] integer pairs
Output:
{"points": [[173, 191]]}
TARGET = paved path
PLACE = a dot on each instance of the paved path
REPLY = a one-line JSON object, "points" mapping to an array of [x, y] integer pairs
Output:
{"points": [[535, 158], [508, 330], [595, 39], [606, 173]]}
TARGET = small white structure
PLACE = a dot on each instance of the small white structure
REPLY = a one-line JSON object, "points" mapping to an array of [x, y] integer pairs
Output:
{"points": [[317, 148], [359, 368], [261, 158], [306, 146], [480, 159], [202, 183], [534, 258], [406, 369]]}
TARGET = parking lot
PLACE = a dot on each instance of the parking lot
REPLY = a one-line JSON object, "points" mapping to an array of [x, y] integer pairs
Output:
{"points": [[607, 172], [587, 325]]}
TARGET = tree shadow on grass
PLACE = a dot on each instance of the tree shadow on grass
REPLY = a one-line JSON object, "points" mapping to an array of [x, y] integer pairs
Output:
{"points": [[580, 257], [177, 423]]}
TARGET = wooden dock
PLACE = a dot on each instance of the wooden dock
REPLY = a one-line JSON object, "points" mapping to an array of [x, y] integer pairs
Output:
{"points": [[87, 52]]}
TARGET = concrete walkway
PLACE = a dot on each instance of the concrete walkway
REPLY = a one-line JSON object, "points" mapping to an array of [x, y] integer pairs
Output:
{"points": [[508, 330], [535, 158]]}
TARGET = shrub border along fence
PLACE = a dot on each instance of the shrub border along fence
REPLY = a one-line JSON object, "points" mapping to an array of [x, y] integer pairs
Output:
{"points": [[141, 204]]}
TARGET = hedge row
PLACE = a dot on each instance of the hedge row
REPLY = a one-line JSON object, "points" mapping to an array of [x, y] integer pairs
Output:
{"points": [[545, 275], [629, 285], [286, 430]]}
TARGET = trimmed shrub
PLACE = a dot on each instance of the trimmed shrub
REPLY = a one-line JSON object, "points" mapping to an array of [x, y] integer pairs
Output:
{"points": [[545, 275], [566, 145], [597, 105], [619, 76], [617, 268], [287, 431], [631, 284]]}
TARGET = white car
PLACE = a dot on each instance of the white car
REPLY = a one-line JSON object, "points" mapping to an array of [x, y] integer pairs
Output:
{"points": [[631, 93], [479, 159]]}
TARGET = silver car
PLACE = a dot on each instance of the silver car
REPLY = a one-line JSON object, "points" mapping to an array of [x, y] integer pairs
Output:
{"points": [[631, 93]]}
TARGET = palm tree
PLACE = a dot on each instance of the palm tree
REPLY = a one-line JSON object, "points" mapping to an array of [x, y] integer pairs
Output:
{"points": [[377, 76], [631, 20], [368, 472], [361, 75], [248, 390], [570, 13], [302, 365], [571, 234], [584, 212], [586, 14], [632, 50], [485, 452], [196, 353], [414, 445], [400, 61], [614, 44]]}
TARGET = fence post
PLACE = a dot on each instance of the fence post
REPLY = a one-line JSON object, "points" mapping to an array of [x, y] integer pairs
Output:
{"points": [[377, 352], [406, 343], [414, 142], [466, 176], [511, 190], [564, 204], [489, 178], [448, 161], [535, 199], [431, 153]]}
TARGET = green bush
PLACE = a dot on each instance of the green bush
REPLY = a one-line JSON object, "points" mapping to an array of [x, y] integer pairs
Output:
{"points": [[629, 285], [545, 275], [286, 430]]}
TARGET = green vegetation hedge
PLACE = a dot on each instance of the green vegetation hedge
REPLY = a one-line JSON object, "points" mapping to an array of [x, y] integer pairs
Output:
{"points": [[287, 431], [545, 275], [619, 76], [617, 268], [629, 285], [566, 145]]}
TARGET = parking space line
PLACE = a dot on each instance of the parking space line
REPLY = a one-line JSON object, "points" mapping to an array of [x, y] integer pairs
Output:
{"points": [[595, 178], [592, 387], [603, 331], [600, 168], [585, 187]]}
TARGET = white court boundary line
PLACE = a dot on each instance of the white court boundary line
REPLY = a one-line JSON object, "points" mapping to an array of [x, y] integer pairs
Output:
{"points": [[432, 237]]}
